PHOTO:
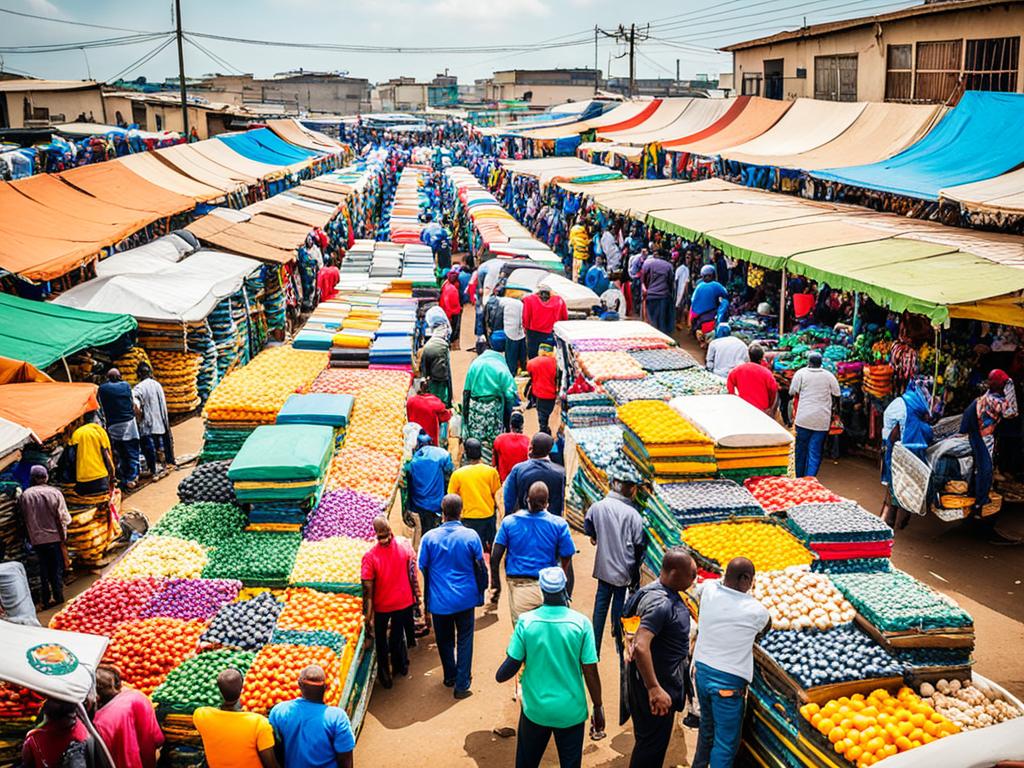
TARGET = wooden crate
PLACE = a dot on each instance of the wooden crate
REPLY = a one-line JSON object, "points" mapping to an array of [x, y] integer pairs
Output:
{"points": [[954, 637]]}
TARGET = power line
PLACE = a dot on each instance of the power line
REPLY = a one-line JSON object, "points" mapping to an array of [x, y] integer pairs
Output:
{"points": [[144, 59], [23, 14], [212, 56], [109, 42]]}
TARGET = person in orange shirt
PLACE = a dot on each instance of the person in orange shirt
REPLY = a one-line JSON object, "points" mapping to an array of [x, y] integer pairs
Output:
{"points": [[233, 738], [543, 372]]}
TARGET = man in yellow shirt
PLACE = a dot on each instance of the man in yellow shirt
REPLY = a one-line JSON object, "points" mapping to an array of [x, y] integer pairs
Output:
{"points": [[231, 737], [94, 463], [479, 486], [579, 241]]}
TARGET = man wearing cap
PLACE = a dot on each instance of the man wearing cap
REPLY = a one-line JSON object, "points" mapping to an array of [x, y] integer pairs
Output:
{"points": [[309, 733], [427, 410], [537, 468], [511, 447], [454, 579], [615, 526], [707, 297], [541, 310], [725, 352], [478, 486], [451, 303], [115, 396], [543, 372], [818, 393], [556, 644], [435, 364], [658, 280], [534, 539], [45, 515], [426, 477]]}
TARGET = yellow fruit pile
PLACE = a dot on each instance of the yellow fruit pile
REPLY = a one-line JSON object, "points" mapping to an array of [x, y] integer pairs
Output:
{"points": [[162, 556], [769, 547], [366, 470], [655, 422], [337, 560], [600, 366], [256, 392], [866, 729]]}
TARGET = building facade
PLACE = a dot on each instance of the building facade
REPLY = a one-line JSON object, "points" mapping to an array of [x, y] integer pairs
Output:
{"points": [[404, 94], [26, 103], [927, 53], [298, 92], [542, 88]]}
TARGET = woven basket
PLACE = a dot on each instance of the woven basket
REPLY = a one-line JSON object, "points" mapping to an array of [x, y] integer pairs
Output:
{"points": [[995, 503], [956, 501], [958, 487]]}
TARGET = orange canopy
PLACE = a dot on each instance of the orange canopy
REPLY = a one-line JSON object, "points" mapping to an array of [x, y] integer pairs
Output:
{"points": [[66, 200], [46, 407], [113, 183], [18, 372], [40, 258]]}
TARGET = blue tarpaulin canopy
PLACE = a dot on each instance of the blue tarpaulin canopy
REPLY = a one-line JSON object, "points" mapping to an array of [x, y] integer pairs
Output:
{"points": [[264, 146], [977, 140]]}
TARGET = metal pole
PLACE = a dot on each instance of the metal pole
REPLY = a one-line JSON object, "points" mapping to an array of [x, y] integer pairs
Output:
{"points": [[782, 305], [632, 58], [935, 380], [597, 76], [856, 310], [181, 68]]}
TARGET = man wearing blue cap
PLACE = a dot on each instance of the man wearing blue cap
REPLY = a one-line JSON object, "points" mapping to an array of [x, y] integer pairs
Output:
{"points": [[725, 352], [557, 645]]}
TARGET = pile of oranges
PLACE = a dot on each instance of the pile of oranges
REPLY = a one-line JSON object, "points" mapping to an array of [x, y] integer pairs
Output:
{"points": [[600, 366], [366, 470], [146, 650], [308, 609], [337, 560], [768, 546], [353, 381], [162, 556], [256, 392], [274, 674], [866, 729]]}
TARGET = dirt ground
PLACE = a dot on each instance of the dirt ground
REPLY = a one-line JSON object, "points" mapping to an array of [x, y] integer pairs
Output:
{"points": [[419, 723]]}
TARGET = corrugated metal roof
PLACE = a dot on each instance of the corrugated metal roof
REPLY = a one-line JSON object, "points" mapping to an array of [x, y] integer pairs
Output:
{"points": [[17, 86]]}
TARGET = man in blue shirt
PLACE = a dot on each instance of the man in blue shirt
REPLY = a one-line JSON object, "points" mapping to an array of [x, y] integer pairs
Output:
{"points": [[534, 539], [452, 562], [538, 468], [707, 297], [310, 733], [426, 477], [115, 396]]}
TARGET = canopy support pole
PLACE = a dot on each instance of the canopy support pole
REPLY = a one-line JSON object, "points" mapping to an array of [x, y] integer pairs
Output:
{"points": [[856, 310], [935, 382], [83, 718], [782, 304]]}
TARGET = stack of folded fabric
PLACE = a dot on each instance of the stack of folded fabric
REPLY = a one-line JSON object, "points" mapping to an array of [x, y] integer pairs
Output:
{"points": [[691, 381], [280, 473], [840, 531], [596, 448], [626, 390], [748, 443], [178, 374], [671, 359], [665, 445], [418, 267], [589, 409], [391, 351], [878, 381]]}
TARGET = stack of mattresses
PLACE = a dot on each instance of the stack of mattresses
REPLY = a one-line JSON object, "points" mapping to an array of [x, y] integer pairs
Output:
{"points": [[840, 531], [663, 444], [691, 381]]}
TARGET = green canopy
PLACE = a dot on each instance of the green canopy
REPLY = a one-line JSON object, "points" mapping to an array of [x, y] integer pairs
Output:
{"points": [[40, 333]]}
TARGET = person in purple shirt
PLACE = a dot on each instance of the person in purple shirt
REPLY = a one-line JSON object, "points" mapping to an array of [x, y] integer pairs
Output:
{"points": [[658, 280]]}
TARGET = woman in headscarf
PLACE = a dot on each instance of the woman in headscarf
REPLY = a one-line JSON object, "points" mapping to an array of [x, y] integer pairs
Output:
{"points": [[904, 421], [488, 395]]}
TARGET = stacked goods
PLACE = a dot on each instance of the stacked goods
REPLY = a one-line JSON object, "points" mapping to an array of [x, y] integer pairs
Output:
{"points": [[317, 408], [222, 443], [146, 650], [105, 605], [206, 523], [308, 610], [191, 598], [94, 526], [880, 724], [330, 564], [898, 604], [596, 447], [208, 482], [878, 381], [256, 558], [162, 557], [599, 366], [280, 471], [193, 683], [800, 599], [343, 513], [840, 531], [274, 673], [777, 494], [691, 381], [664, 444], [368, 471], [768, 545], [969, 706], [671, 359], [747, 441], [625, 344], [700, 501], [589, 409], [129, 362], [825, 657], [626, 390], [245, 625], [866, 565], [928, 658], [19, 710], [178, 374]]}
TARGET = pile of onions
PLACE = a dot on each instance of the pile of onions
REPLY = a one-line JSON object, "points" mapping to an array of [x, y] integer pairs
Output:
{"points": [[796, 598]]}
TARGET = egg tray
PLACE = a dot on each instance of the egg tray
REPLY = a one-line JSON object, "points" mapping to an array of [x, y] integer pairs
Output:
{"points": [[934, 617]]}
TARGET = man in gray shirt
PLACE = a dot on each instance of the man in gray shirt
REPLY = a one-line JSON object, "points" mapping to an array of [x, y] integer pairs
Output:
{"points": [[616, 527], [818, 393]]}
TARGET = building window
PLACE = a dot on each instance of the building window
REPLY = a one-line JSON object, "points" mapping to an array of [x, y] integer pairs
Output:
{"points": [[899, 72], [937, 70], [835, 77], [751, 84], [991, 65], [773, 82]]}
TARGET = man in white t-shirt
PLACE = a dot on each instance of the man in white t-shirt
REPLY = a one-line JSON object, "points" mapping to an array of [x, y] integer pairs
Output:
{"points": [[728, 625], [818, 391]]}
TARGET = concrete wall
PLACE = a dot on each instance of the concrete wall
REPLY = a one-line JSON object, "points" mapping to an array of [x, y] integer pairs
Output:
{"points": [[540, 95], [62, 106], [869, 45]]}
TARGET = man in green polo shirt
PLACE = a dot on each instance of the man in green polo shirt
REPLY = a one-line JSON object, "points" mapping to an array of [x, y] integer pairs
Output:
{"points": [[558, 645]]}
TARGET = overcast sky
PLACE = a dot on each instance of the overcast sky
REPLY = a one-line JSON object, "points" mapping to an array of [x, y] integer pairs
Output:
{"points": [[688, 30]]}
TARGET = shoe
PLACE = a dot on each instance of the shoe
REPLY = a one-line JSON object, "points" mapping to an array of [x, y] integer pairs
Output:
{"points": [[1004, 541], [385, 681], [449, 683], [463, 694]]}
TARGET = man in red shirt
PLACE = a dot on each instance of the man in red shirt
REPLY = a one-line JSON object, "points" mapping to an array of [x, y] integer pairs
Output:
{"points": [[427, 410], [543, 372], [754, 382], [390, 594], [451, 303], [327, 281], [541, 311], [511, 447]]}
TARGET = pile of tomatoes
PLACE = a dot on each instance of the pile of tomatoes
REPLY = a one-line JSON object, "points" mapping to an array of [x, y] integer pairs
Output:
{"points": [[274, 675], [309, 609], [18, 702], [366, 470], [776, 494], [105, 605], [146, 650]]}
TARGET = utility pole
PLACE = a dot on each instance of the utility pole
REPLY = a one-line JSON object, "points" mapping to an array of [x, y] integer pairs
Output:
{"points": [[181, 68], [677, 70], [632, 59], [597, 76]]}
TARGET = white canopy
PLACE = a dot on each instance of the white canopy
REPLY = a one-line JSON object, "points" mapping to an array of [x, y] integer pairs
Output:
{"points": [[60, 665], [576, 297], [13, 437]]}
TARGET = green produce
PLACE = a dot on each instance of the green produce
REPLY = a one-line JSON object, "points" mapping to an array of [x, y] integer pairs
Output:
{"points": [[207, 523], [256, 558], [895, 601], [193, 683]]}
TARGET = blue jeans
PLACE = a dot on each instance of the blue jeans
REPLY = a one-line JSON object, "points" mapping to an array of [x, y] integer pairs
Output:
{"points": [[721, 717], [659, 314], [807, 452], [454, 635], [515, 354], [607, 596], [127, 454]]}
